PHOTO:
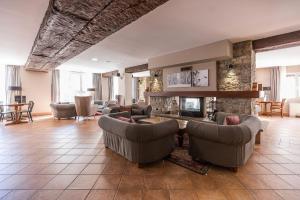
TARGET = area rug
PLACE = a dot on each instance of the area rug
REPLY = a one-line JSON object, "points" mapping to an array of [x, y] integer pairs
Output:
{"points": [[181, 157]]}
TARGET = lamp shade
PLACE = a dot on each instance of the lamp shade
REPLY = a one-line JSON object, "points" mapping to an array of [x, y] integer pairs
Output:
{"points": [[91, 89], [15, 88]]}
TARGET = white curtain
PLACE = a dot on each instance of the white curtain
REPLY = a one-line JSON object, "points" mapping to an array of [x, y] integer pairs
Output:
{"points": [[275, 83], [283, 83], [111, 88], [55, 86], [97, 84], [12, 78]]}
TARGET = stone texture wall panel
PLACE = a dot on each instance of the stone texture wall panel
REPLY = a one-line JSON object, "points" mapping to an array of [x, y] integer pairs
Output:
{"points": [[74, 47], [85, 9], [239, 78], [71, 26], [57, 31]]}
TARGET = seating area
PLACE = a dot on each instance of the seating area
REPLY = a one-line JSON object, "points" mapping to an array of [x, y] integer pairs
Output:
{"points": [[149, 100]]}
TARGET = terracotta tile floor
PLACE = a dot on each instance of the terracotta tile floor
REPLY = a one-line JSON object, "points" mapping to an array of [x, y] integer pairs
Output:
{"points": [[66, 159]]}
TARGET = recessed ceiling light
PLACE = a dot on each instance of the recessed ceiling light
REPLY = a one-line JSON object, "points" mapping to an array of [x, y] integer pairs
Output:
{"points": [[95, 59]]}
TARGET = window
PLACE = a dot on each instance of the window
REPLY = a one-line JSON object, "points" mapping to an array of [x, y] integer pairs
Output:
{"points": [[2, 85], [292, 86], [74, 83]]}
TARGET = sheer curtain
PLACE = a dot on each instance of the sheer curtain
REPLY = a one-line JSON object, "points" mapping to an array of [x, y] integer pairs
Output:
{"points": [[55, 86], [283, 83], [12, 78], [110, 88], [97, 84], [275, 84], [2, 85]]}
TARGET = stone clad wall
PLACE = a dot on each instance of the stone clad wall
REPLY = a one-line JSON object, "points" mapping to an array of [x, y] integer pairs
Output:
{"points": [[238, 78], [156, 80]]}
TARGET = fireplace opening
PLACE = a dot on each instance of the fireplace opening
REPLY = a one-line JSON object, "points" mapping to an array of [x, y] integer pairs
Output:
{"points": [[191, 106]]}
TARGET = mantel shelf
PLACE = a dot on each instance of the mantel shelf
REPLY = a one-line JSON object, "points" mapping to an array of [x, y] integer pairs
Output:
{"points": [[220, 94]]}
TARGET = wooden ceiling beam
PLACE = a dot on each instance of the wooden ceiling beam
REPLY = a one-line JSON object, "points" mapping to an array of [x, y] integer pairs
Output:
{"points": [[277, 42], [138, 68]]}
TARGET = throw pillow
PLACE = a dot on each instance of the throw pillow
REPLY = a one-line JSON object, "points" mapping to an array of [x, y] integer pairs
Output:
{"points": [[232, 120], [137, 111]]}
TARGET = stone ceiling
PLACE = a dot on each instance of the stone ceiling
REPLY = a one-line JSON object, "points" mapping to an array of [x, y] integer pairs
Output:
{"points": [[71, 26]]}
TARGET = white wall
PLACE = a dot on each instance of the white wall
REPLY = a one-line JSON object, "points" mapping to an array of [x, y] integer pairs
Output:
{"points": [[263, 76], [36, 86], [128, 89]]}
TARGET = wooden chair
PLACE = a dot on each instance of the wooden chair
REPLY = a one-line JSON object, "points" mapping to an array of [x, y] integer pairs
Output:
{"points": [[277, 106], [28, 111], [4, 113]]}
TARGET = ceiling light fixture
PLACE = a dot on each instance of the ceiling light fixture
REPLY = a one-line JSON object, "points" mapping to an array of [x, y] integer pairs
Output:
{"points": [[95, 59]]}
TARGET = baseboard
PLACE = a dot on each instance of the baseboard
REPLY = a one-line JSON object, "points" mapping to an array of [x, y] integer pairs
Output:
{"points": [[41, 113]]}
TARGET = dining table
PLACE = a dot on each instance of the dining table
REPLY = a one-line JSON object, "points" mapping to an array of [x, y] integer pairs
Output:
{"points": [[17, 107], [264, 107]]}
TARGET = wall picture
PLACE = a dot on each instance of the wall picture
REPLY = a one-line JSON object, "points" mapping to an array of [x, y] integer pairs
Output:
{"points": [[179, 79], [200, 77]]}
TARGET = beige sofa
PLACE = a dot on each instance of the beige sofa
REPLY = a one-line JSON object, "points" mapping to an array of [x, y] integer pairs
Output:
{"points": [[224, 145], [139, 143]]}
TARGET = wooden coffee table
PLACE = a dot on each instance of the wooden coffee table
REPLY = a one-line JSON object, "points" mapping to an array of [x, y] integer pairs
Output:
{"points": [[181, 123]]}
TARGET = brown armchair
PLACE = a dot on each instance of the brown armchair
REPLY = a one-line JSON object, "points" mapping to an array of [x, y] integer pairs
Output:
{"points": [[277, 107]]}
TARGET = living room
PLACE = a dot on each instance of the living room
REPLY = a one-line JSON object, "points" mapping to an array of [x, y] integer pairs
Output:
{"points": [[114, 99]]}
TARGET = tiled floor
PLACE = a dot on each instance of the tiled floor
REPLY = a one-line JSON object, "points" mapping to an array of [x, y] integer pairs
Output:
{"points": [[66, 159]]}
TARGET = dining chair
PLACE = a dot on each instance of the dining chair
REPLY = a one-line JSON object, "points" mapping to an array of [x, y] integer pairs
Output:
{"points": [[277, 106], [28, 111], [7, 112]]}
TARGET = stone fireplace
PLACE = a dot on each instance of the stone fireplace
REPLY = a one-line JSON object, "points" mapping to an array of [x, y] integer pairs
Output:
{"points": [[238, 77]]}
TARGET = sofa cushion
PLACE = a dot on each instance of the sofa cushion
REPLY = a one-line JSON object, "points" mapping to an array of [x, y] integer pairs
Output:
{"points": [[125, 108], [139, 117], [136, 111], [232, 120], [125, 119]]}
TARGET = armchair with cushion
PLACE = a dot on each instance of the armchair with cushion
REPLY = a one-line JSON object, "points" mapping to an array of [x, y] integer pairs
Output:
{"points": [[63, 110], [224, 145], [84, 106], [137, 112], [140, 112], [139, 143], [101, 104]]}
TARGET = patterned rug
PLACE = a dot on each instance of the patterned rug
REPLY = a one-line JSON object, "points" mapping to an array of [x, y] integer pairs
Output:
{"points": [[181, 157]]}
